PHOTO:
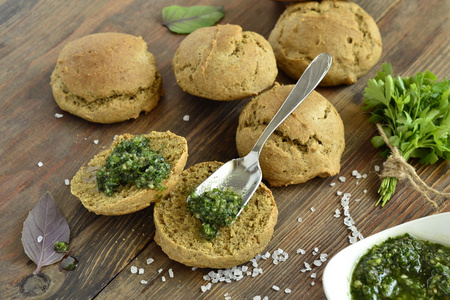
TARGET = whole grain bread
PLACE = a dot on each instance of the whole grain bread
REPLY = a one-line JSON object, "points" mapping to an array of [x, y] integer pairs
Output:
{"points": [[178, 231], [307, 144], [340, 28], [224, 63], [106, 78], [128, 199]]}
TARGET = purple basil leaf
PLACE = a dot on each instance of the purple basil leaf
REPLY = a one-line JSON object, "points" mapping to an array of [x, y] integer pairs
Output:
{"points": [[44, 226]]}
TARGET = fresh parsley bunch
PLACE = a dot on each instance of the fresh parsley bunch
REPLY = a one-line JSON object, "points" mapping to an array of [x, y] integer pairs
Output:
{"points": [[415, 116]]}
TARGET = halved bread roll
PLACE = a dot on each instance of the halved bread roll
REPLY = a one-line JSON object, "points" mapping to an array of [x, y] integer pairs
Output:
{"points": [[178, 231], [129, 198]]}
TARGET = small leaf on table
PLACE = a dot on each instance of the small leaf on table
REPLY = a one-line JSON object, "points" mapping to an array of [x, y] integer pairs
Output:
{"points": [[180, 19], [44, 226]]}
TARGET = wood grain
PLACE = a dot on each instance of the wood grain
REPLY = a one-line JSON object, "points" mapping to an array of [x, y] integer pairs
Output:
{"points": [[32, 32]]}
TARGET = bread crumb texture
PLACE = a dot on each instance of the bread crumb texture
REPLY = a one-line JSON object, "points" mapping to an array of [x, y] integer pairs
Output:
{"points": [[128, 199], [309, 143], [178, 231], [340, 28], [224, 63], [106, 78]]}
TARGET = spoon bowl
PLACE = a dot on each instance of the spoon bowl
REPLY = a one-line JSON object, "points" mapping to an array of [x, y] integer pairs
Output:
{"points": [[243, 175]]}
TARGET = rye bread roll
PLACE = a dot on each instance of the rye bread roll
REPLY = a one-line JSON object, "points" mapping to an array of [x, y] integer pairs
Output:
{"points": [[224, 63], [340, 28], [178, 231], [309, 143], [106, 78], [128, 199]]}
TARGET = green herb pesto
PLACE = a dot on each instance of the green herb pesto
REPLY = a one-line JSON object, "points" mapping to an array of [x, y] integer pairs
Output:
{"points": [[403, 268], [133, 162], [215, 208]]}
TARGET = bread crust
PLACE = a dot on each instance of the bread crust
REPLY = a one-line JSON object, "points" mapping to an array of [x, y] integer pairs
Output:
{"points": [[106, 78], [178, 231], [307, 144], [224, 63], [130, 199], [340, 28]]}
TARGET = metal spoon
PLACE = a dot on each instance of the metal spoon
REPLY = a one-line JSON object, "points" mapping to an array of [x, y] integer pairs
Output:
{"points": [[243, 175]]}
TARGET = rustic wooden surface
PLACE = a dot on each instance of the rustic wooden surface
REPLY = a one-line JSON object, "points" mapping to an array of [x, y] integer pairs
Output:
{"points": [[415, 38]]}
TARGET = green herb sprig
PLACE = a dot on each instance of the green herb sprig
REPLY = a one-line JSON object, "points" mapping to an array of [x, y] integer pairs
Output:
{"points": [[415, 117]]}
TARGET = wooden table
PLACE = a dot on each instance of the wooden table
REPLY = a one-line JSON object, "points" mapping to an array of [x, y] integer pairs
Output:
{"points": [[415, 38]]}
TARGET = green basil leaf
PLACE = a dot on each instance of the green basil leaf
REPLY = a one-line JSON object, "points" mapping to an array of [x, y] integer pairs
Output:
{"points": [[183, 20]]}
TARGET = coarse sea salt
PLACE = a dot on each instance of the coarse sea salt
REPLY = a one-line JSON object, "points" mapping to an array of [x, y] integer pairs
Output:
{"points": [[287, 291], [40, 164], [186, 118], [141, 271], [59, 116], [276, 288], [170, 273], [96, 142], [39, 239], [150, 260], [144, 281], [342, 178], [66, 181], [134, 269]]}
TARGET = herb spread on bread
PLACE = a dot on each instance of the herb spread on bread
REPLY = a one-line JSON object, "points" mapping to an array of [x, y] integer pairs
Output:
{"points": [[215, 208], [133, 162]]}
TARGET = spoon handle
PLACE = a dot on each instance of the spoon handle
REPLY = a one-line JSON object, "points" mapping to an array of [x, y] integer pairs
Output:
{"points": [[309, 80]]}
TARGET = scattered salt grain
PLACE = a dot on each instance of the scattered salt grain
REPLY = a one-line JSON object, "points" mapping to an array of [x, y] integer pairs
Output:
{"points": [[66, 181], [163, 278], [365, 191], [194, 268], [58, 116], [205, 288], [376, 168], [342, 178], [40, 164], [257, 298], [301, 251], [337, 213], [276, 288], [96, 142], [318, 262], [364, 175], [150, 260], [144, 281], [316, 250], [170, 273], [313, 209], [160, 270], [287, 291], [323, 257], [134, 269], [339, 193], [313, 283], [332, 184], [313, 275], [39, 239], [141, 271], [300, 220], [186, 118], [228, 298]]}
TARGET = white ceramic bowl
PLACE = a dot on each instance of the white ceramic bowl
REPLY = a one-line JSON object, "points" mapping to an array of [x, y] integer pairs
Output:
{"points": [[338, 272]]}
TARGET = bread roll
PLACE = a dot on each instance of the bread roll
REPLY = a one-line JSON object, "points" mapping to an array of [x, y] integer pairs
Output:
{"points": [[307, 144], [128, 199], [224, 63], [340, 28], [178, 231], [106, 78]]}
